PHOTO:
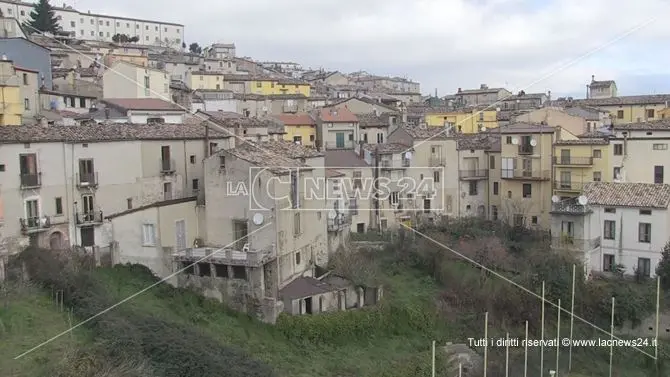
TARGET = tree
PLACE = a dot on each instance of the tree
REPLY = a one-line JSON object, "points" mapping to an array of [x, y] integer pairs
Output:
{"points": [[43, 18], [121, 38], [663, 269], [183, 45], [134, 39], [195, 48]]}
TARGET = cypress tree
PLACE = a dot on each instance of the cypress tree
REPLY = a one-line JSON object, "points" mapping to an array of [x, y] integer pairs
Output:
{"points": [[42, 18]]}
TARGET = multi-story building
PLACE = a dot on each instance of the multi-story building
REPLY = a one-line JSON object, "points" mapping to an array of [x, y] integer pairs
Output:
{"points": [[616, 227], [257, 129], [59, 182], [466, 121], [384, 84], [176, 65], [374, 127], [482, 96], [630, 109], [221, 51], [520, 174], [473, 173], [336, 128], [220, 65], [576, 119], [133, 54], [601, 89], [524, 101], [351, 182], [11, 112], [28, 55], [578, 162], [87, 25], [299, 127], [639, 151], [128, 80]]}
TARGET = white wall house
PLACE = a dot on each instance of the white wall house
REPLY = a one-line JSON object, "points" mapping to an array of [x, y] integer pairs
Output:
{"points": [[639, 151], [99, 27], [128, 80], [142, 110], [622, 226]]}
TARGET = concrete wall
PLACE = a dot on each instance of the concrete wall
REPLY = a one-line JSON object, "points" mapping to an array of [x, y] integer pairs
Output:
{"points": [[28, 55], [124, 80], [641, 153]]}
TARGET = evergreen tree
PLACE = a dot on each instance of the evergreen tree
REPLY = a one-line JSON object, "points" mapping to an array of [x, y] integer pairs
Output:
{"points": [[42, 18]]}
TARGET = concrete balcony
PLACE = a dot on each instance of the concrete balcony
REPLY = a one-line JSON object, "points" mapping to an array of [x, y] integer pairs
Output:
{"points": [[227, 256], [34, 224], [570, 207], [473, 175], [573, 161], [525, 175], [87, 180], [167, 166], [569, 186], [89, 218], [31, 181]]}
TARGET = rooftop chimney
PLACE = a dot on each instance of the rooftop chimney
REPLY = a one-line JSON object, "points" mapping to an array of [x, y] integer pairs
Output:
{"points": [[483, 86], [459, 90], [593, 78]]}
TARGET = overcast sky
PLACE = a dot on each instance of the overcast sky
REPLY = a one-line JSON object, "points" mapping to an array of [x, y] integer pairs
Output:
{"points": [[443, 44]]}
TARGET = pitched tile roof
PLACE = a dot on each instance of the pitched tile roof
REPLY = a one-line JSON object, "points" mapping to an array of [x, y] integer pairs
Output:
{"points": [[626, 100], [387, 148], [658, 125], [148, 104], [305, 287], [257, 155], [332, 173], [337, 115], [425, 132], [523, 127], [297, 119], [290, 149], [626, 194], [374, 120], [230, 119], [477, 141], [344, 159], [583, 141], [104, 133]]}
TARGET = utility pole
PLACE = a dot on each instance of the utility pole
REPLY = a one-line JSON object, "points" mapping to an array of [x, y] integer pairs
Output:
{"points": [[376, 181]]}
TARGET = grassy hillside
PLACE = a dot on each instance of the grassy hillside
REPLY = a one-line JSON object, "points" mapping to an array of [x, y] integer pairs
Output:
{"points": [[429, 295]]}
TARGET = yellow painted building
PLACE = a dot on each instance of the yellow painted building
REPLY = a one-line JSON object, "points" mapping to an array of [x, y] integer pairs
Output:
{"points": [[116, 56], [578, 162], [11, 104], [631, 109], [204, 80], [467, 121], [270, 86], [299, 127]]}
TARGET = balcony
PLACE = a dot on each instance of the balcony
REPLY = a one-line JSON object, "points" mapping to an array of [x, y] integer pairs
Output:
{"points": [[89, 218], [468, 175], [229, 256], [339, 223], [573, 161], [390, 165], [566, 242], [525, 175], [436, 160], [570, 207], [290, 108], [526, 149], [345, 144], [167, 166], [569, 186], [87, 180], [31, 181], [34, 224]]}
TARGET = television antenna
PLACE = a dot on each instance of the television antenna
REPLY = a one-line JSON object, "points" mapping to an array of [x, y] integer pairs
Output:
{"points": [[533, 143], [258, 219], [515, 141], [555, 199], [583, 200]]}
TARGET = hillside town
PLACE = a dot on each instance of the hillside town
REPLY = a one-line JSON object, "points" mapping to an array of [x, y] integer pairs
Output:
{"points": [[119, 138]]}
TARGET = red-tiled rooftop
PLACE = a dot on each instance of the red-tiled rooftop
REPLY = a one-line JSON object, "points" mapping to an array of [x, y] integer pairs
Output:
{"points": [[337, 115], [299, 119], [149, 104]]}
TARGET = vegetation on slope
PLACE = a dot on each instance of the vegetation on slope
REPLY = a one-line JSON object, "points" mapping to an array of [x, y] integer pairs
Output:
{"points": [[430, 294]]}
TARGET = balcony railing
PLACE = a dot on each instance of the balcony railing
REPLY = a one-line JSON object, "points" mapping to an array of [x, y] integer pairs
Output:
{"points": [[89, 218], [346, 144], [568, 186], [473, 174], [167, 166], [523, 174], [32, 180], [570, 243], [249, 256], [567, 160], [437, 160], [87, 180], [525, 149], [570, 207], [34, 224]]}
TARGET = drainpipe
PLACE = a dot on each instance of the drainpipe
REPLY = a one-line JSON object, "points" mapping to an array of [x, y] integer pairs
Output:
{"points": [[67, 194], [186, 169]]}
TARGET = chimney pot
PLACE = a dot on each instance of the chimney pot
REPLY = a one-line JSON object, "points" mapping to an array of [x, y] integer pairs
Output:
{"points": [[459, 90]]}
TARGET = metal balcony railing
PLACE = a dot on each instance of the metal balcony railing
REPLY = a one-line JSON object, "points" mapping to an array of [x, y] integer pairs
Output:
{"points": [[436, 160], [346, 144], [569, 186], [34, 224], [473, 174], [167, 166], [526, 149], [89, 218], [248, 256], [570, 207], [87, 180], [567, 160], [32, 180], [524, 174]]}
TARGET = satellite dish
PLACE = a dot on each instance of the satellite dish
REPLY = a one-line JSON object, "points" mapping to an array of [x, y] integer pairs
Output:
{"points": [[332, 214], [582, 200], [408, 155], [515, 141], [555, 199], [258, 218], [483, 128], [533, 142]]}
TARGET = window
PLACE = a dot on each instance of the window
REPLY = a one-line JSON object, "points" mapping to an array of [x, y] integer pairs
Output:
{"points": [[492, 162], [118, 24], [658, 174], [239, 272], [167, 191], [645, 212], [26, 103], [82, 102], [660, 147], [650, 113], [527, 190], [616, 172], [473, 188], [533, 220], [393, 198], [25, 79], [436, 176], [102, 34], [597, 153], [92, 32], [494, 213], [87, 236], [92, 22], [59, 206], [608, 262], [129, 203], [619, 114], [295, 190], [495, 188], [518, 220], [610, 210], [2, 167], [380, 138], [213, 147], [597, 176], [618, 149], [191, 159], [148, 235], [297, 258], [644, 267], [644, 232], [296, 224], [609, 233], [222, 162], [195, 184], [508, 140]]}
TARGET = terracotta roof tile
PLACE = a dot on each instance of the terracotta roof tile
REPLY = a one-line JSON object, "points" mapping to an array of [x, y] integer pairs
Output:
{"points": [[583, 141], [659, 125], [626, 194], [298, 119], [149, 104], [339, 115]]}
